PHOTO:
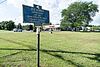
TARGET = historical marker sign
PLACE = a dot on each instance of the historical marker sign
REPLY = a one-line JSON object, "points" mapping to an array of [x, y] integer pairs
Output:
{"points": [[35, 15]]}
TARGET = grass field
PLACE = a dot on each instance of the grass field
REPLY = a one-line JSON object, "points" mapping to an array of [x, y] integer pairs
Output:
{"points": [[60, 49]]}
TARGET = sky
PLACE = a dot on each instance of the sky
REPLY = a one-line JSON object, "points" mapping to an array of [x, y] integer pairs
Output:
{"points": [[12, 9]]}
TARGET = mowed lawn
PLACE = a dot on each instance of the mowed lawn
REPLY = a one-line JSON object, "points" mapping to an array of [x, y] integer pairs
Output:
{"points": [[60, 49]]}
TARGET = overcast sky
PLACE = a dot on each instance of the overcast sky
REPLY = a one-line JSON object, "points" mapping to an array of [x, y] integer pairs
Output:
{"points": [[12, 9]]}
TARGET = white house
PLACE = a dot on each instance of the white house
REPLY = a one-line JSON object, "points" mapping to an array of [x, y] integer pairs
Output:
{"points": [[54, 27]]}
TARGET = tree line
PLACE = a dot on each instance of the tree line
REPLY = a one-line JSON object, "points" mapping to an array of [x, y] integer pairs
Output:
{"points": [[10, 25]]}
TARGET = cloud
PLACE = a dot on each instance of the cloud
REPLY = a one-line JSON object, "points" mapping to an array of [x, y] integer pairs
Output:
{"points": [[14, 8], [16, 3], [51, 5], [96, 19]]}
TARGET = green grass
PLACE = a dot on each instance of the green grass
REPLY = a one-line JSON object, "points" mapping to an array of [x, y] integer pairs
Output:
{"points": [[60, 49]]}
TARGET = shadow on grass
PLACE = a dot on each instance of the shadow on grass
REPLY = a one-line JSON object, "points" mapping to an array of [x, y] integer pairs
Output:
{"points": [[43, 50], [96, 55], [19, 43], [11, 54], [18, 49], [30, 49], [62, 58]]}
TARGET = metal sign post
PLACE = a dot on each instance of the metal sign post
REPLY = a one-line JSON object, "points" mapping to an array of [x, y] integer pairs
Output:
{"points": [[36, 15], [38, 46]]}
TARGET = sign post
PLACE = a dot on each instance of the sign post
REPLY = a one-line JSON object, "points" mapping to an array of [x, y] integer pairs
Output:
{"points": [[38, 46], [36, 15]]}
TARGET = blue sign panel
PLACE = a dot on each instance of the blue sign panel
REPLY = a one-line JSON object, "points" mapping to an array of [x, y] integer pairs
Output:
{"points": [[35, 15]]}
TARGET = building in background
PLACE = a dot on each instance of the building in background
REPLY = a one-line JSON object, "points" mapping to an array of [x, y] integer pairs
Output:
{"points": [[54, 27]]}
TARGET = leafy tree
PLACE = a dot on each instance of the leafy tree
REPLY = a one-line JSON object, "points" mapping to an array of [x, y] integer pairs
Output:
{"points": [[64, 25], [3, 25], [30, 27], [95, 28], [78, 14], [7, 25], [10, 25], [26, 27], [19, 26]]}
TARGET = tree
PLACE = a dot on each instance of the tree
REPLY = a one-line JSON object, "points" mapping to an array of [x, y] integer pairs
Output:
{"points": [[78, 14], [10, 25], [30, 27], [3, 25], [19, 26], [64, 26], [26, 27], [7, 25]]}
